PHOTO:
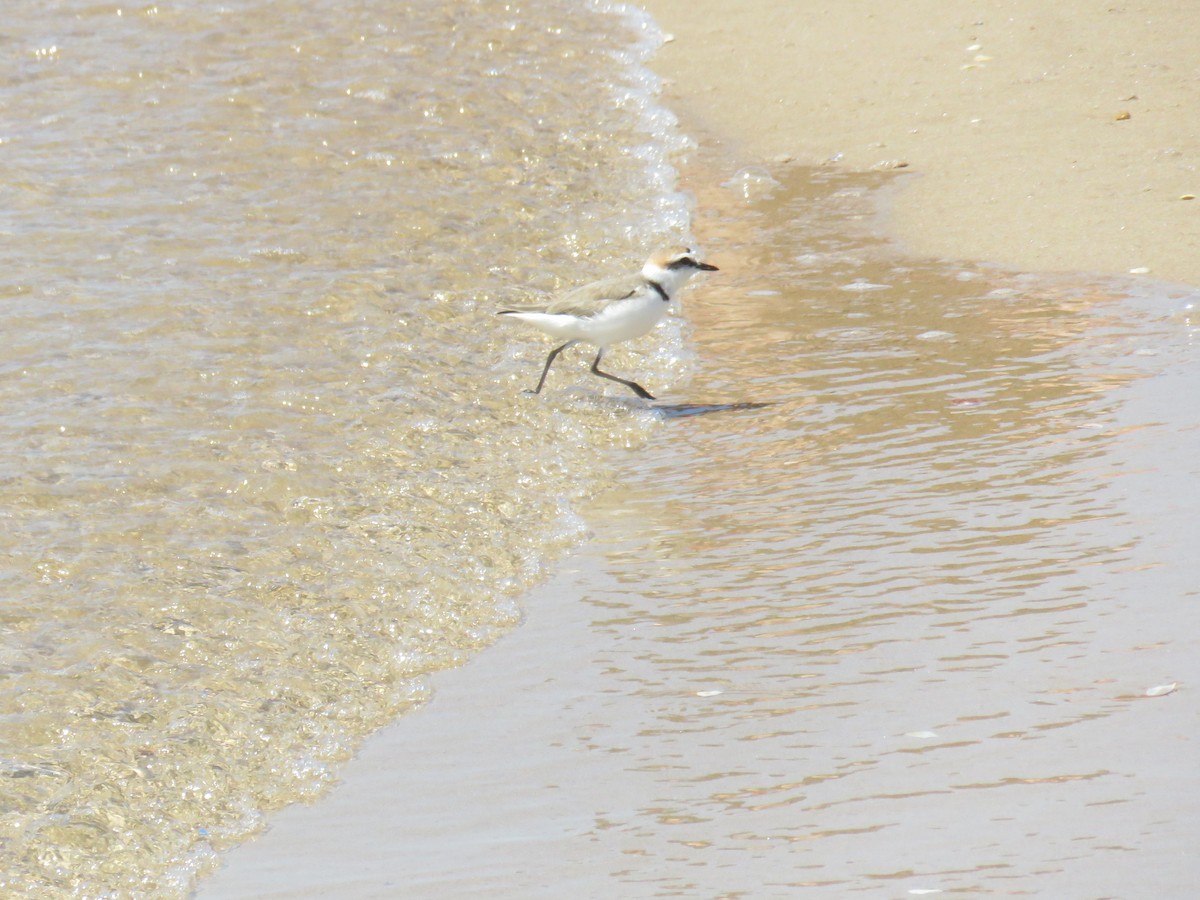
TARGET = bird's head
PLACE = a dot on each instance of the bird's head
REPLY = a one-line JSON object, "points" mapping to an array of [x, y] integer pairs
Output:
{"points": [[672, 267]]}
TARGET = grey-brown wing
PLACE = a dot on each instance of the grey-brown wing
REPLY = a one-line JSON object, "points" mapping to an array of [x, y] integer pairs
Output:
{"points": [[591, 298]]}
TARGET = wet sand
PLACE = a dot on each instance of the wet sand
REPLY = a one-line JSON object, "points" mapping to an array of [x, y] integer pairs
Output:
{"points": [[1045, 137], [523, 778], [471, 788]]}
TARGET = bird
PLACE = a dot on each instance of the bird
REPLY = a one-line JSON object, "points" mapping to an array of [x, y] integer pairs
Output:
{"points": [[613, 310]]}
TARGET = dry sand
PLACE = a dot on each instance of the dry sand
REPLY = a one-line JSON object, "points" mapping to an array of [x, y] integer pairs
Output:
{"points": [[1044, 136]]}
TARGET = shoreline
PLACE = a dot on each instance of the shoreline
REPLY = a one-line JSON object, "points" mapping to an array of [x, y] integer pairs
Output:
{"points": [[351, 842], [437, 826], [1042, 138]]}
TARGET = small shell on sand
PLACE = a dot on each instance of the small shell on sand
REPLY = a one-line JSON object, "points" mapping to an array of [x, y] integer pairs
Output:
{"points": [[1161, 690]]}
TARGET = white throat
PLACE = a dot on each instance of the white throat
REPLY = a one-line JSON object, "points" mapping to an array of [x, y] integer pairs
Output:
{"points": [[670, 280]]}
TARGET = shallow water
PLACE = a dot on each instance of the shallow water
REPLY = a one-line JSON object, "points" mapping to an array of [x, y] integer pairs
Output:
{"points": [[265, 458], [266, 466], [890, 633], [894, 633]]}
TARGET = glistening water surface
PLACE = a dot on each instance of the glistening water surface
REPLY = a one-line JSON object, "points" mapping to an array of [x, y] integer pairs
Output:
{"points": [[266, 464], [926, 624], [264, 461]]}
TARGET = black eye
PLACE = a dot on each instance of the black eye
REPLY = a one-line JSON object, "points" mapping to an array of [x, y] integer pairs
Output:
{"points": [[684, 261]]}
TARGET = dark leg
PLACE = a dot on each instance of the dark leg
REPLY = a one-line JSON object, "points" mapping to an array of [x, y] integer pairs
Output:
{"points": [[549, 361], [632, 385]]}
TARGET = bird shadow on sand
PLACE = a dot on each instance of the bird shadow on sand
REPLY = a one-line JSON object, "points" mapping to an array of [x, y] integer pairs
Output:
{"points": [[687, 410]]}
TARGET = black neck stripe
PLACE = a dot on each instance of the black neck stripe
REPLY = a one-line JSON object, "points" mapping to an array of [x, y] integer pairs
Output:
{"points": [[658, 287]]}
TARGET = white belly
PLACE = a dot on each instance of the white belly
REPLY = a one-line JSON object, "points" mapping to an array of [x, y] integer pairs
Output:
{"points": [[624, 320], [621, 320]]}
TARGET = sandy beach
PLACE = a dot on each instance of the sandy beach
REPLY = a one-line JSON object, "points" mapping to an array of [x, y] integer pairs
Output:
{"points": [[1040, 138], [1044, 137]]}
